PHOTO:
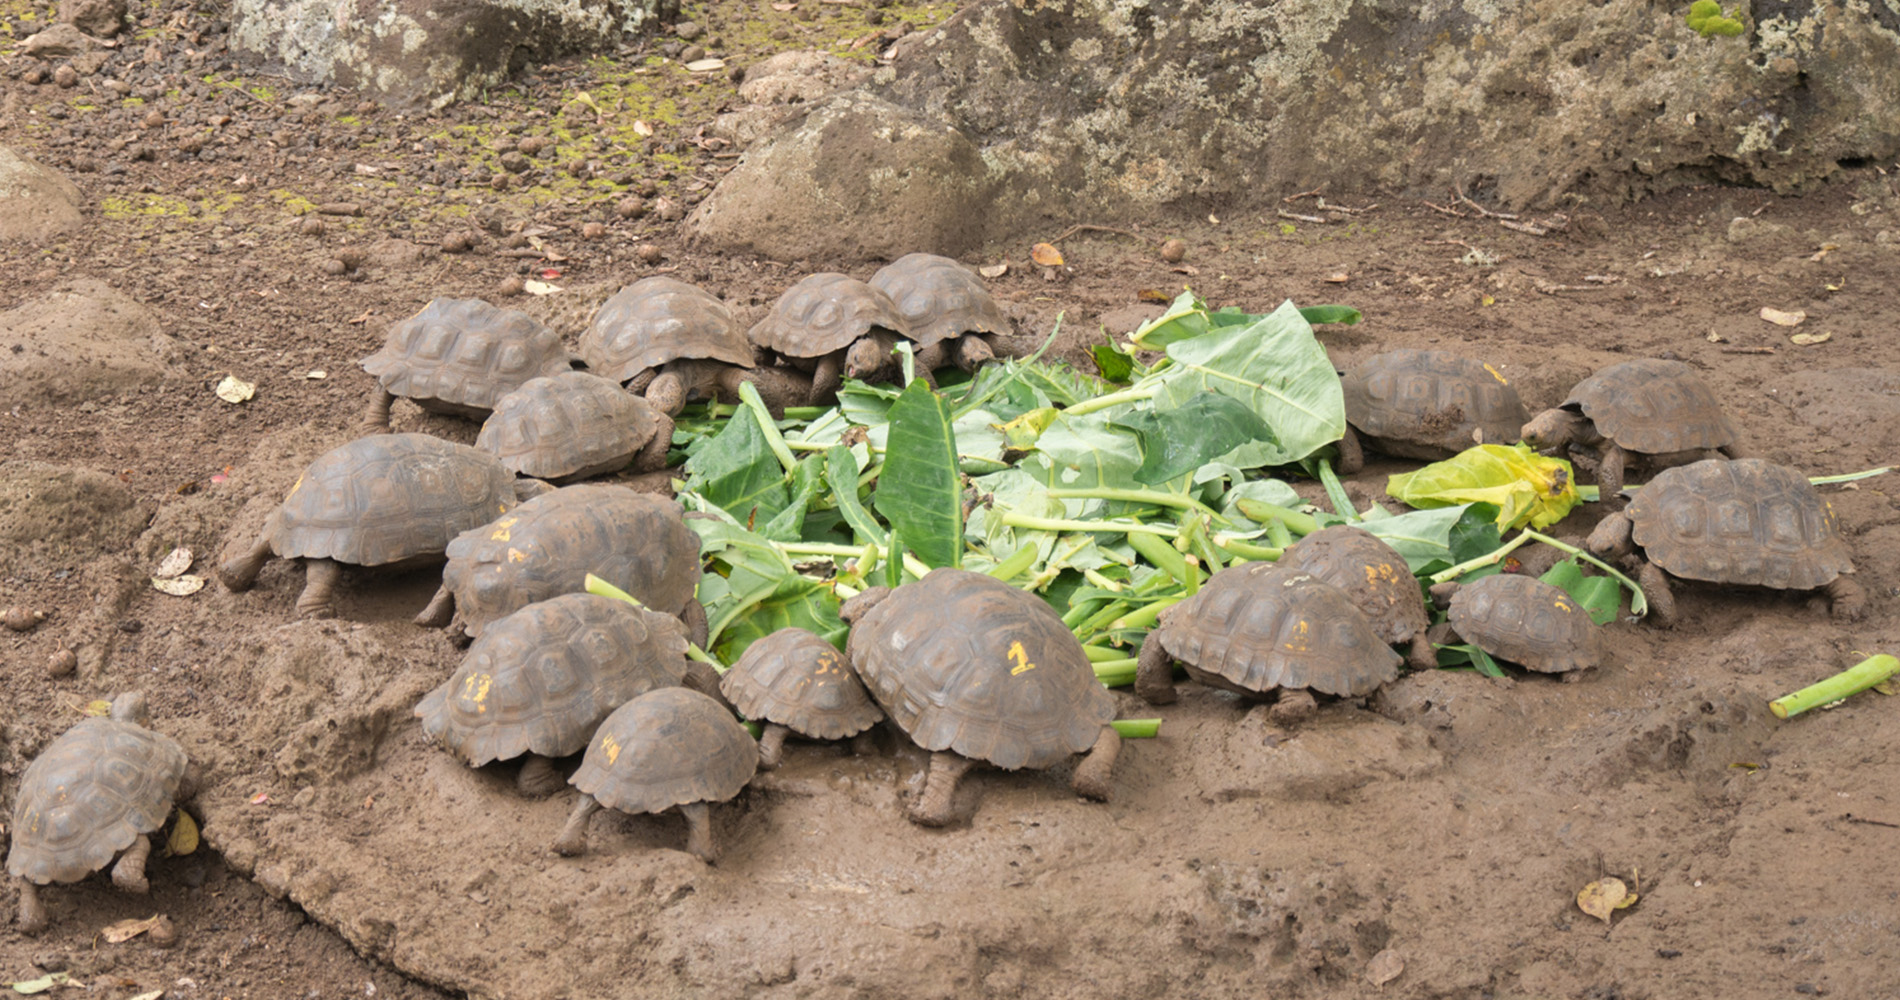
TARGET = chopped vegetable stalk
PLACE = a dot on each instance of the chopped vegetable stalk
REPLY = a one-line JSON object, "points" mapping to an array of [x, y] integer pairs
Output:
{"points": [[1103, 654], [1336, 492], [1137, 729], [1012, 567], [1164, 557], [1248, 551], [1262, 511], [1017, 520], [1116, 673], [1155, 497], [1863, 675]]}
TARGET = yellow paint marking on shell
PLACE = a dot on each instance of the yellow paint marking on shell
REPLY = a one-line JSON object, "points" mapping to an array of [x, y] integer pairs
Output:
{"points": [[610, 747], [516, 555], [475, 690], [1494, 374], [500, 533], [1020, 658]]}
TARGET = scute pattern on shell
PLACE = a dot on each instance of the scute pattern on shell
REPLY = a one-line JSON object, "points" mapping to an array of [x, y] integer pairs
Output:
{"points": [[542, 679], [1528, 622], [825, 312], [1262, 628], [88, 795], [465, 352], [545, 547], [384, 498], [659, 319], [795, 678], [1371, 573], [964, 662], [1654, 406], [939, 298], [557, 425], [666, 748], [1745, 521], [1434, 399]]}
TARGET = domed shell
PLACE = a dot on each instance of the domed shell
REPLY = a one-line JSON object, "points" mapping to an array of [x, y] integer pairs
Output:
{"points": [[1654, 407], [1371, 573], [466, 354], [541, 680], [91, 793], [656, 320], [546, 547], [385, 498], [1260, 627], [798, 680], [1435, 402], [1528, 622], [1745, 521], [939, 298], [964, 662], [569, 425], [823, 313], [666, 748]]}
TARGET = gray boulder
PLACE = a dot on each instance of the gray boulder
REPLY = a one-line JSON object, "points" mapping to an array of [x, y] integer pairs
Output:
{"points": [[78, 343], [37, 203]]}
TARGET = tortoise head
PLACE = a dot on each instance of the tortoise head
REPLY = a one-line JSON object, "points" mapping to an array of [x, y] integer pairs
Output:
{"points": [[858, 606], [868, 354], [1552, 429], [130, 707]]}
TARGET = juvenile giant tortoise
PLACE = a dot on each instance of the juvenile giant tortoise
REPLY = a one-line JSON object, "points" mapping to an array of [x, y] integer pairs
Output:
{"points": [[831, 325], [1425, 404], [796, 682], [1378, 581], [570, 426], [946, 309], [676, 343], [458, 356], [1521, 619], [1649, 412]]}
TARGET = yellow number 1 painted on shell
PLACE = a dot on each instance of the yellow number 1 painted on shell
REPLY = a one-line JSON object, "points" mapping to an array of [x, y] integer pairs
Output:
{"points": [[1019, 658]]}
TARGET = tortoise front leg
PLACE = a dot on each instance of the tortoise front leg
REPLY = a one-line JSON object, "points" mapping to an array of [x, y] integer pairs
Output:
{"points": [[32, 914], [1610, 464], [538, 777], [667, 393], [825, 379], [239, 573], [1294, 705], [778, 388], [1662, 603], [1154, 673], [639, 384], [1092, 776], [772, 746], [653, 457], [701, 677], [441, 609], [1352, 457], [320, 577], [129, 873], [1849, 599], [1422, 655], [933, 807], [572, 841], [376, 418], [699, 831]]}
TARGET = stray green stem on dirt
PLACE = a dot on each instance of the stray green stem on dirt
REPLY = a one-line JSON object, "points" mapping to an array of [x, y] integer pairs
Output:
{"points": [[1855, 679], [1137, 729]]}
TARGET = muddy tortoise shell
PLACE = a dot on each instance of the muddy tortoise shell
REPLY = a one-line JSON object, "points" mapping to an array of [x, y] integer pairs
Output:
{"points": [[939, 298], [1744, 521], [1259, 627], [657, 320], [541, 680], [89, 795], [1431, 404], [964, 662], [570, 425], [638, 542], [389, 497], [1371, 573], [1528, 622], [826, 312], [1653, 406], [795, 678], [461, 355], [666, 748]]}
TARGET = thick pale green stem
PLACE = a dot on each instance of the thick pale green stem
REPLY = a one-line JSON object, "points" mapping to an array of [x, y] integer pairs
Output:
{"points": [[1103, 654], [1015, 565], [749, 394], [1278, 534], [1095, 578], [1134, 395], [1489, 558], [1155, 497], [1248, 551], [1165, 558], [1116, 673], [1137, 729], [1018, 520], [1336, 492], [1863, 675], [1262, 511], [1145, 617]]}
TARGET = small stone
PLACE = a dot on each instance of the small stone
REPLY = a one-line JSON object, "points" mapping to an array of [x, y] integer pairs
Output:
{"points": [[534, 144], [34, 75], [191, 144], [513, 162], [311, 226], [153, 119], [500, 182], [99, 18], [780, 34], [66, 76], [648, 254], [22, 619], [631, 207], [62, 663], [1174, 251], [511, 286], [692, 53], [593, 231], [334, 267], [669, 210], [578, 168], [458, 243], [163, 933], [688, 30], [671, 49]]}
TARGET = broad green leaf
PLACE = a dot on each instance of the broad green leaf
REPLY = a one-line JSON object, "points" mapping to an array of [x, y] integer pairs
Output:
{"points": [[841, 474], [862, 403], [1471, 656], [1421, 536], [1086, 452], [737, 472], [1343, 315], [1598, 595], [980, 442], [1178, 440], [807, 478], [1022, 432], [1528, 488], [1476, 532], [797, 602], [1186, 317], [1114, 364], [919, 491]]}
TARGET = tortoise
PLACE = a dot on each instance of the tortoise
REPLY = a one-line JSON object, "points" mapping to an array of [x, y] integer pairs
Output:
{"points": [[1655, 413], [540, 681], [1521, 619], [385, 500], [675, 343], [669, 748], [458, 356], [831, 325], [92, 795], [946, 309], [1744, 521], [570, 426], [796, 682], [1378, 581], [636, 541], [1258, 629], [1425, 404], [975, 669]]}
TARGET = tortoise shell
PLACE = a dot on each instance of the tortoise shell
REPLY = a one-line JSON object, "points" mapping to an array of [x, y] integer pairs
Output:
{"points": [[657, 320], [939, 298], [546, 547], [388, 497], [666, 748], [1372, 574], [795, 678], [89, 795], [1259, 627], [542, 679], [1654, 407], [964, 662], [570, 425], [824, 313], [1528, 622], [1745, 521], [1431, 404], [461, 355]]}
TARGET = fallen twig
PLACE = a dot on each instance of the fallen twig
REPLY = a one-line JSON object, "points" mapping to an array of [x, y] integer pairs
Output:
{"points": [[1524, 227], [1326, 206], [1290, 199], [1748, 350], [1084, 227], [1446, 211], [1295, 216], [1851, 818]]}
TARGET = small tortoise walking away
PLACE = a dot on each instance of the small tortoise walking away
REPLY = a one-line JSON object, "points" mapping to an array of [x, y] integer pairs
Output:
{"points": [[669, 748], [946, 309], [1425, 404], [92, 795], [377, 501], [831, 325], [676, 343], [458, 356], [1744, 522], [1523, 620], [570, 426], [1378, 581], [1257, 629], [1650, 412], [977, 670], [796, 682]]}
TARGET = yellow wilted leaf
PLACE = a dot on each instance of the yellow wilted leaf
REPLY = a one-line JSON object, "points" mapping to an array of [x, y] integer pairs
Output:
{"points": [[232, 389], [126, 930], [1810, 339], [184, 838], [1780, 318], [1604, 897], [100, 707], [1046, 255]]}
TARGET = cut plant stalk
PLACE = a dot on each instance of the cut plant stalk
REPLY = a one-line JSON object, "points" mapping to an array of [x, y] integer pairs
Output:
{"points": [[749, 395], [1336, 492], [1165, 558], [1137, 729], [1247, 550], [1155, 497], [1014, 566], [1262, 512], [1867, 673], [1116, 673], [1019, 520]]}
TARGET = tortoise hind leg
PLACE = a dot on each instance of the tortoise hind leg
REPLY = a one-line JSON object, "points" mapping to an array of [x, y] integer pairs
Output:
{"points": [[652, 457], [1352, 455], [697, 627], [699, 832], [572, 841], [1422, 655], [1610, 465], [1092, 776], [1849, 599], [441, 609], [129, 873], [320, 577], [933, 807], [1662, 603], [32, 914], [1294, 705], [239, 573], [772, 746], [538, 777]]}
